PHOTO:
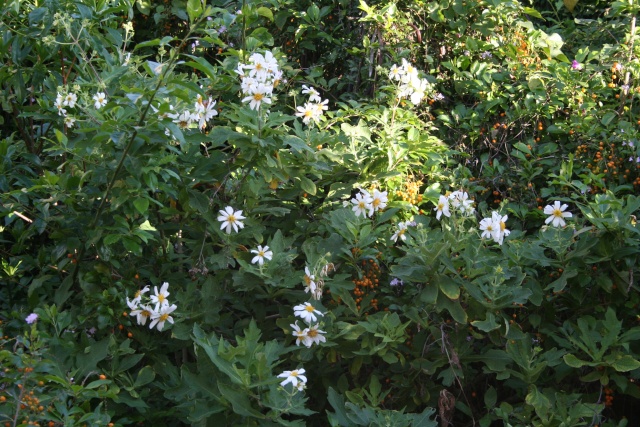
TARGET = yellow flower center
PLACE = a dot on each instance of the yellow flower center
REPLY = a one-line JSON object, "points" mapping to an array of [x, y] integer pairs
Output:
{"points": [[557, 213], [164, 317], [231, 219], [258, 96], [310, 308], [145, 313], [313, 333], [261, 253], [161, 298], [503, 226], [376, 202], [440, 206], [307, 280], [308, 113], [294, 373]]}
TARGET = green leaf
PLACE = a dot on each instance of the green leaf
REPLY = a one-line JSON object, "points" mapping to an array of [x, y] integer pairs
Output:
{"points": [[307, 185], [266, 12], [141, 205], [239, 401], [608, 118], [487, 325], [146, 226], [573, 361], [537, 399], [625, 363], [211, 347], [449, 287], [145, 376], [532, 12], [194, 9], [490, 397]]}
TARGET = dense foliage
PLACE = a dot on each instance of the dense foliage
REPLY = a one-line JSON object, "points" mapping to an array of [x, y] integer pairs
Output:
{"points": [[320, 213]]}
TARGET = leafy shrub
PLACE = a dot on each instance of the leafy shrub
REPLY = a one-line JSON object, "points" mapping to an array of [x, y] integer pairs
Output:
{"points": [[425, 214]]}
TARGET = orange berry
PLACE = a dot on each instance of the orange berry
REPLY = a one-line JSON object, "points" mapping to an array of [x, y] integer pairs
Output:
{"points": [[102, 377]]}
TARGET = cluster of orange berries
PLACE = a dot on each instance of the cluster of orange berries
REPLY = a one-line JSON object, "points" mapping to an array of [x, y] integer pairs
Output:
{"points": [[410, 193], [368, 284], [607, 161], [608, 397]]}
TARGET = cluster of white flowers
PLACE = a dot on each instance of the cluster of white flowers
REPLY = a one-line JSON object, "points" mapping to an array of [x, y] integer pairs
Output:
{"points": [[69, 100], [410, 84], [231, 218], [158, 313], [203, 112], [495, 227], [259, 77], [314, 284], [366, 204], [314, 108], [459, 200], [311, 334]]}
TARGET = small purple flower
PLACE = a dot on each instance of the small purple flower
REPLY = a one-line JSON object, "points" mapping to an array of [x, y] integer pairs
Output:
{"points": [[576, 65], [486, 55], [30, 319], [222, 29], [396, 282]]}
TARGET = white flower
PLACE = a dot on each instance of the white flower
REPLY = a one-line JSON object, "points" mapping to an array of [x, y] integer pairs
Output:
{"points": [[402, 228], [378, 200], [460, 200], [100, 100], [442, 207], [301, 335], [396, 72], [557, 214], [362, 203], [161, 316], [487, 226], [137, 298], [306, 312], [160, 297], [69, 121], [500, 227], [309, 281], [261, 254], [314, 336], [314, 95], [59, 104], [230, 218], [70, 100], [293, 377], [307, 112], [204, 112], [142, 313], [182, 120], [257, 95]]}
